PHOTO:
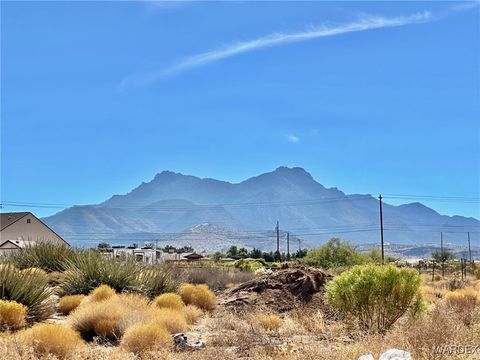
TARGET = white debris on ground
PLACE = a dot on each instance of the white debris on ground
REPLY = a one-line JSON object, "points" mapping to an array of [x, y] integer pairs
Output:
{"points": [[391, 354]]}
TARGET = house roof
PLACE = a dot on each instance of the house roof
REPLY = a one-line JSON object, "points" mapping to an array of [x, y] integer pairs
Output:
{"points": [[19, 243], [7, 219]]}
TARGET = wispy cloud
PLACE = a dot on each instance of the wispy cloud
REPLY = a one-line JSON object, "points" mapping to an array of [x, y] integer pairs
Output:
{"points": [[277, 39], [293, 138]]}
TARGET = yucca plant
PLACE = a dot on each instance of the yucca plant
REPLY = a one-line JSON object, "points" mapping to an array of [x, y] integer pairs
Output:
{"points": [[28, 288], [47, 256], [155, 280], [91, 269]]}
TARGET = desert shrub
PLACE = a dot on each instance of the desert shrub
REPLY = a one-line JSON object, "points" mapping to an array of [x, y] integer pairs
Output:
{"points": [[170, 301], [455, 283], [101, 293], [192, 314], [376, 296], [248, 265], [477, 272], [55, 339], [335, 253], [99, 319], [216, 277], [69, 303], [108, 320], [172, 320], [432, 294], [198, 295], [46, 256], [145, 337], [270, 322], [12, 314], [465, 298], [186, 292], [92, 269], [28, 288]]}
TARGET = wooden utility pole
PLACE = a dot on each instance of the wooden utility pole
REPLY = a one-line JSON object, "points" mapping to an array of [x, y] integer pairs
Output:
{"points": [[277, 253], [381, 228], [442, 254], [288, 246], [469, 248]]}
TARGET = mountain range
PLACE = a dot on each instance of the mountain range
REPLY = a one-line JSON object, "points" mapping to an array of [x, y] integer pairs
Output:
{"points": [[211, 214]]}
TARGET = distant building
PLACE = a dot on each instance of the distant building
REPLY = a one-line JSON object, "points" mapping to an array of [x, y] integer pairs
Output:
{"points": [[21, 229], [150, 255], [147, 255]]}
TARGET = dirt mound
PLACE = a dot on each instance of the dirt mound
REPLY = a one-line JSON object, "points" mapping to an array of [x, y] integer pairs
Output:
{"points": [[280, 291]]}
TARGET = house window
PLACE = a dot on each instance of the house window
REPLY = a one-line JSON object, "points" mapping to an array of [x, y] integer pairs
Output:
{"points": [[28, 221]]}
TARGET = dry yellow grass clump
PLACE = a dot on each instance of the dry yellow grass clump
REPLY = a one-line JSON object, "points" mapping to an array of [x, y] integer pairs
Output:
{"points": [[192, 314], [69, 303], [172, 320], [101, 318], [270, 322], [101, 293], [198, 295], [145, 337], [12, 314], [170, 301], [463, 298], [55, 339], [111, 318], [432, 294]]}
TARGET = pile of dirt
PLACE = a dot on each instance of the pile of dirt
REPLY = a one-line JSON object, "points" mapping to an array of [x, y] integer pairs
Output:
{"points": [[281, 291]]}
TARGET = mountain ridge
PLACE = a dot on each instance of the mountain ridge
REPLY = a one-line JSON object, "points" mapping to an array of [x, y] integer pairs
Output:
{"points": [[173, 202]]}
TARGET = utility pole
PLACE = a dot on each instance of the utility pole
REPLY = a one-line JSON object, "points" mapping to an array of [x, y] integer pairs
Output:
{"points": [[442, 254], [277, 253], [156, 251], [381, 228], [288, 246], [469, 248]]}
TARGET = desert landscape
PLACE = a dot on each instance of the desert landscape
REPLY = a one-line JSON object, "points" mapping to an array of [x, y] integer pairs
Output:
{"points": [[65, 303]]}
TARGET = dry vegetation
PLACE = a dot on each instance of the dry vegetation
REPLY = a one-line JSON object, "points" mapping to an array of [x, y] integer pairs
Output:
{"points": [[131, 323]]}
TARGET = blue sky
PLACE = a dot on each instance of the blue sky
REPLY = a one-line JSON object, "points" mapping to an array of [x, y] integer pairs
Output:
{"points": [[368, 97]]}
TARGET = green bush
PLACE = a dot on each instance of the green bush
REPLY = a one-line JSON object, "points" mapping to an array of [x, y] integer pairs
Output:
{"points": [[249, 265], [335, 253], [376, 295], [46, 256], [28, 288]]}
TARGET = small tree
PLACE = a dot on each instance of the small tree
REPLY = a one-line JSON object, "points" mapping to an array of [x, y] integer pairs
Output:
{"points": [[255, 254], [377, 295], [218, 255], [233, 251], [103, 246], [443, 256], [335, 253]]}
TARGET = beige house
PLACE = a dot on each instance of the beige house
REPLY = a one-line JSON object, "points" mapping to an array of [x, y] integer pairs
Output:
{"points": [[21, 229]]}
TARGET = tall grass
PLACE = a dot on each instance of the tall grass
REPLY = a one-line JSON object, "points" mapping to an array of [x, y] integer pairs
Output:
{"points": [[28, 288]]}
